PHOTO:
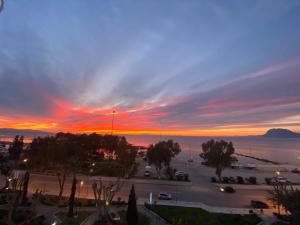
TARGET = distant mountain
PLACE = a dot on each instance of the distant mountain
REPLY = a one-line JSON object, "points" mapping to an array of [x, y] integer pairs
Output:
{"points": [[9, 132], [281, 133]]}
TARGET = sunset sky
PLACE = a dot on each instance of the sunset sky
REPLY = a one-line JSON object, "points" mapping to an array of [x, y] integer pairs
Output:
{"points": [[166, 67]]}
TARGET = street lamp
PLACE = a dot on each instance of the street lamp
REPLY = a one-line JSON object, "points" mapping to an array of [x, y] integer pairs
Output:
{"points": [[81, 183], [112, 121], [1, 5], [277, 173]]}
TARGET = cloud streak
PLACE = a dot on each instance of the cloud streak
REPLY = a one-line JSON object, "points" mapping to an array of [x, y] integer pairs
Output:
{"points": [[180, 68]]}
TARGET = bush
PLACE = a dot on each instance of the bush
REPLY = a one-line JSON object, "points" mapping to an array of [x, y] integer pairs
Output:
{"points": [[3, 200], [268, 180], [240, 180], [225, 180], [231, 180], [22, 215], [252, 180], [40, 220]]}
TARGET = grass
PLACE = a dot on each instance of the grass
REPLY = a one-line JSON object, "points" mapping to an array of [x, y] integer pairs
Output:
{"points": [[82, 215], [143, 220], [52, 200], [187, 216]]}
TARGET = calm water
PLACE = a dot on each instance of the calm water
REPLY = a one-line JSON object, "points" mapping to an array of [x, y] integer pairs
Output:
{"points": [[285, 150]]}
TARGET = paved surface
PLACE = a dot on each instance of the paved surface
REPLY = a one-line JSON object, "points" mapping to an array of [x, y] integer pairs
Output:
{"points": [[154, 219], [206, 192]]}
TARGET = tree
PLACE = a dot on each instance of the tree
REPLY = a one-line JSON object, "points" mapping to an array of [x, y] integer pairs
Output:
{"points": [[61, 181], [25, 187], [161, 154], [104, 194], [72, 197], [276, 195], [291, 202], [218, 154], [14, 196], [132, 213], [286, 197], [16, 148]]}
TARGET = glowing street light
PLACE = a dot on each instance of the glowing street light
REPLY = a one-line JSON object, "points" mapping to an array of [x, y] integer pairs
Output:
{"points": [[277, 173], [25, 160], [112, 122], [93, 164], [81, 183]]}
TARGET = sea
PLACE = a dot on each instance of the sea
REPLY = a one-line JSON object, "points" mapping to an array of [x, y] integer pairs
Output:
{"points": [[281, 150]]}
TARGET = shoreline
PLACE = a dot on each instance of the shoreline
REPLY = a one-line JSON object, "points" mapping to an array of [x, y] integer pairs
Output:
{"points": [[261, 159]]}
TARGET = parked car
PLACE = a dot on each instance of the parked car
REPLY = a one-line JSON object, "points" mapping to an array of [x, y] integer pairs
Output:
{"points": [[164, 196], [227, 189], [240, 180], [252, 180], [259, 204], [281, 179], [225, 180], [268, 180], [180, 175], [114, 217], [190, 160], [296, 170], [147, 173], [231, 180]]}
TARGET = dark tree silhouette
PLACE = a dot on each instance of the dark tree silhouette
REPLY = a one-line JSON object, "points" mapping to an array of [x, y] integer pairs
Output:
{"points": [[218, 154], [72, 197], [291, 203], [16, 148], [161, 154], [25, 187], [132, 213]]}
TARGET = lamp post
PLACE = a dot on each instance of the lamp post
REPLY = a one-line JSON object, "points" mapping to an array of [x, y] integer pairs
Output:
{"points": [[112, 122], [1, 5]]}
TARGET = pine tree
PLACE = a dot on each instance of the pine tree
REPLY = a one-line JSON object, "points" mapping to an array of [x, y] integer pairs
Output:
{"points": [[72, 198], [132, 213], [25, 187]]}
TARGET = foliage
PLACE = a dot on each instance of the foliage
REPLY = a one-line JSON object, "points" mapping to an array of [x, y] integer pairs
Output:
{"points": [[60, 151], [196, 216], [218, 154], [15, 149], [104, 193], [276, 195], [287, 197], [291, 203], [72, 197], [162, 153], [143, 220], [25, 187], [132, 213]]}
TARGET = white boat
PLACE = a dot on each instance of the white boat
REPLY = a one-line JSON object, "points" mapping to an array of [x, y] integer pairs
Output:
{"points": [[250, 166]]}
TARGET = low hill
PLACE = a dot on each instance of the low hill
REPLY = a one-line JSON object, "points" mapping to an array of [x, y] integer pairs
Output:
{"points": [[281, 133]]}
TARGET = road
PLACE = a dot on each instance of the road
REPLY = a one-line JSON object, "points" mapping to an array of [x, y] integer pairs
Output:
{"points": [[206, 193]]}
